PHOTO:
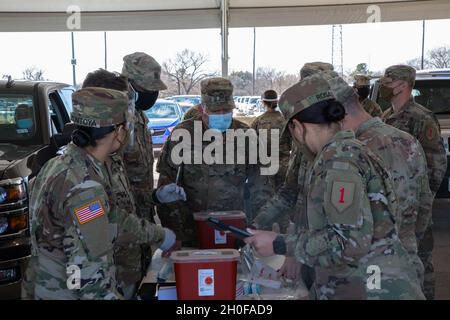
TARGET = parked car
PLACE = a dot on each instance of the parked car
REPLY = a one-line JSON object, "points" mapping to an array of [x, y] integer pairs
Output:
{"points": [[32, 119], [432, 90], [163, 117]]}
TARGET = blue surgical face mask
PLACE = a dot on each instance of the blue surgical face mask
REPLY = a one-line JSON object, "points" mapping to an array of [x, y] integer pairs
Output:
{"points": [[220, 122], [24, 123]]}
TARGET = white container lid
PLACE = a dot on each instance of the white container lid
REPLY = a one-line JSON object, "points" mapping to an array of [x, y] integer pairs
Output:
{"points": [[202, 256], [220, 215]]}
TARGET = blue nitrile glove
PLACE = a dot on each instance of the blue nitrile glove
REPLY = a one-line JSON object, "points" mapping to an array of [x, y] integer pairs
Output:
{"points": [[170, 193], [169, 240]]}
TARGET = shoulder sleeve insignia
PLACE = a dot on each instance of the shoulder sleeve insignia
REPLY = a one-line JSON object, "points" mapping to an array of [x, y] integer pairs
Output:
{"points": [[89, 212], [344, 197]]}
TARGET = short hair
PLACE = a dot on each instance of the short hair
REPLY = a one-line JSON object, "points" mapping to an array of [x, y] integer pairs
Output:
{"points": [[106, 79]]}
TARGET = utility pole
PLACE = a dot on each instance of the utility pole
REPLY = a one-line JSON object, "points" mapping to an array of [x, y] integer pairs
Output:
{"points": [[254, 61], [106, 53], [423, 44], [337, 53], [224, 34], [73, 61]]}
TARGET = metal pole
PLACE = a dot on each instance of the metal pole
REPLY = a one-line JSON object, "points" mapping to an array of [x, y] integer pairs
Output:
{"points": [[254, 60], [423, 44], [73, 62], [106, 53], [224, 24]]}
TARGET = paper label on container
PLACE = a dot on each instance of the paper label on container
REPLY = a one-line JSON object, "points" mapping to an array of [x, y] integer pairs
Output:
{"points": [[220, 237], [205, 282]]}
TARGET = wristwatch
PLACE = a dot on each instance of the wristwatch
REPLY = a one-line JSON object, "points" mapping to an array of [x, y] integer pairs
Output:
{"points": [[279, 245]]}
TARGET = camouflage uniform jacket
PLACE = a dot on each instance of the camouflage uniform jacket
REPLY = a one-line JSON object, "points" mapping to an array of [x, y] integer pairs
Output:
{"points": [[275, 121], [289, 200], [351, 209], [207, 186], [75, 221], [405, 159], [127, 248], [193, 113], [139, 166], [422, 124], [372, 107]]}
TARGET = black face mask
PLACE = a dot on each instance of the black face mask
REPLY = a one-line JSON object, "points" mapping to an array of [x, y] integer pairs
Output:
{"points": [[146, 99], [363, 92]]}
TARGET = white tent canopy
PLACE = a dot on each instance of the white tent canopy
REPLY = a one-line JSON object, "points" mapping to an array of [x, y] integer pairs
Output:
{"points": [[105, 15]]}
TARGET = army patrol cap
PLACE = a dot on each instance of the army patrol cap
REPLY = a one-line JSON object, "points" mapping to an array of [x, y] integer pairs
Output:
{"points": [[144, 70], [99, 107], [304, 94], [217, 93], [399, 72], [361, 80], [311, 68]]}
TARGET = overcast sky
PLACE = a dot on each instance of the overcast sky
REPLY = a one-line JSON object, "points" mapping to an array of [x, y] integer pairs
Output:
{"points": [[282, 48]]}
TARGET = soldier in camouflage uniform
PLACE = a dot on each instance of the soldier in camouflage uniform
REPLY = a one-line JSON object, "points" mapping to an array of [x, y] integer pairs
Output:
{"points": [[362, 86], [351, 206], [128, 253], [402, 156], [208, 186], [144, 75], [407, 115], [75, 218], [273, 120]]}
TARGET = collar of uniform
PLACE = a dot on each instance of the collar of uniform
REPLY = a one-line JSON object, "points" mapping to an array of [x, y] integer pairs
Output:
{"points": [[75, 152], [344, 134], [405, 107], [366, 125]]}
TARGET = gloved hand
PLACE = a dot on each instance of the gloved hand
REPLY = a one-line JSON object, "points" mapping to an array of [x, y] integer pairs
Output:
{"points": [[170, 193], [169, 240]]}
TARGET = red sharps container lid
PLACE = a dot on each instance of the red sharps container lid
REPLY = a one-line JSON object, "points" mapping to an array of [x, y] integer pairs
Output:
{"points": [[221, 215], [202, 256]]}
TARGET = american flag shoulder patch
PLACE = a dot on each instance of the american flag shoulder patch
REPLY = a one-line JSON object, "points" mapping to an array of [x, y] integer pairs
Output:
{"points": [[89, 212]]}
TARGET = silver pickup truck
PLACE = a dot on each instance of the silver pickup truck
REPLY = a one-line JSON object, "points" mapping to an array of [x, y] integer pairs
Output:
{"points": [[432, 90]]}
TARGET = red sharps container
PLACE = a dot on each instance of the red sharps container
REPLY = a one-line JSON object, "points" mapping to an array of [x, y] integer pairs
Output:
{"points": [[210, 238], [206, 274]]}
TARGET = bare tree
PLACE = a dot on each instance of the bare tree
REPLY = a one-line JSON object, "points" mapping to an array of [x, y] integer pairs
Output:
{"points": [[242, 82], [440, 57], [187, 69], [417, 63], [269, 78], [33, 73]]}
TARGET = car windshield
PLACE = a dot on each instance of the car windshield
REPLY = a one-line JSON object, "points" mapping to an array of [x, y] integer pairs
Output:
{"points": [[432, 94], [162, 110], [190, 100], [17, 117], [253, 100]]}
